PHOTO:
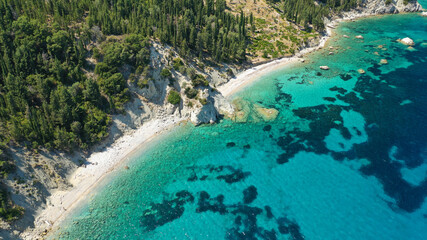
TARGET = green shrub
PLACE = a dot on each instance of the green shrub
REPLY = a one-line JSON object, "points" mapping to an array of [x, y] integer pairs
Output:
{"points": [[143, 83], [265, 54], [199, 80], [96, 53], [230, 72], [177, 62], [203, 101], [8, 211], [191, 92], [387, 2], [165, 73], [174, 97]]}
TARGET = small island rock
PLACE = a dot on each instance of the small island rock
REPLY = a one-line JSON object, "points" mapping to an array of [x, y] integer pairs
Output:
{"points": [[267, 114], [324, 67], [407, 41], [359, 37], [361, 71], [384, 61]]}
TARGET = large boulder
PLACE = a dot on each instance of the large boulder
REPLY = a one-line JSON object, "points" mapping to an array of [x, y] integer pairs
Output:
{"points": [[407, 41], [324, 67]]}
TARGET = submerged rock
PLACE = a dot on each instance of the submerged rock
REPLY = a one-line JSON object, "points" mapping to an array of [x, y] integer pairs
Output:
{"points": [[324, 67], [242, 109], [345, 36], [267, 114], [406, 41]]}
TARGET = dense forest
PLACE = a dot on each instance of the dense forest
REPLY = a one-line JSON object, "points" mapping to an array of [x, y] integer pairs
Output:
{"points": [[45, 96]]}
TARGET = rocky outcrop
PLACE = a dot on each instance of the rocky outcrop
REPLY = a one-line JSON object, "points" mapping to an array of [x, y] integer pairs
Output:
{"points": [[266, 114], [207, 113], [407, 41], [324, 67], [396, 6], [375, 7]]}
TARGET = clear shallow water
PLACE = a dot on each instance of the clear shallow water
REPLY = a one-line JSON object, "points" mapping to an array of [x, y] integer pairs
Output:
{"points": [[345, 159]]}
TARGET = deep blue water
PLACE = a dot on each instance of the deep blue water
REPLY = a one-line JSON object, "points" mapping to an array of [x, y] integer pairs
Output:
{"points": [[346, 158]]}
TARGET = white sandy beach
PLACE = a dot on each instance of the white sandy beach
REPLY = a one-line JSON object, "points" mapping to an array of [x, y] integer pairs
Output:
{"points": [[100, 164], [250, 75]]}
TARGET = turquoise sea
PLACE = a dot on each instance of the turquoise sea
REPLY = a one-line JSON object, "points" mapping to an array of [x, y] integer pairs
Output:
{"points": [[346, 158]]}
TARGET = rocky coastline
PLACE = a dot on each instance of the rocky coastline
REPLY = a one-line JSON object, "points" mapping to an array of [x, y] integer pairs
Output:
{"points": [[148, 115]]}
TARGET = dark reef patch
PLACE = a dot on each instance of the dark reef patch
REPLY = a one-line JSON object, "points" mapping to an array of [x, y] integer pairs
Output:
{"points": [[329, 99], [345, 76], [267, 128], [235, 175], [206, 203], [287, 226], [161, 213], [192, 178], [345, 132], [282, 158], [338, 89], [231, 144], [229, 174], [249, 194], [269, 212], [395, 125]]}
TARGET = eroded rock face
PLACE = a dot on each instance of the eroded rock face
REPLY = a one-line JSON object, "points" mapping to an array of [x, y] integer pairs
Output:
{"points": [[207, 113]]}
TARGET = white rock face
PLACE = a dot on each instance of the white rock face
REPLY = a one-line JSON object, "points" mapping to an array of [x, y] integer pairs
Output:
{"points": [[207, 113], [424, 14], [407, 41]]}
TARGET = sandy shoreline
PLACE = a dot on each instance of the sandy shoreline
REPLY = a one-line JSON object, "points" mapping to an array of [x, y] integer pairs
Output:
{"points": [[252, 74], [61, 203]]}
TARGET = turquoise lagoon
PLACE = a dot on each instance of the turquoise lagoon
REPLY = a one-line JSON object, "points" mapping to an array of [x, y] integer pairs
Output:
{"points": [[346, 157]]}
